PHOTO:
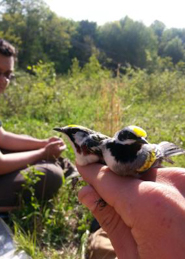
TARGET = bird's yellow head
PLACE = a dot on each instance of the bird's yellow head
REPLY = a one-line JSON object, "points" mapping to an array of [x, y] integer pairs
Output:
{"points": [[77, 126], [139, 132], [130, 135]]}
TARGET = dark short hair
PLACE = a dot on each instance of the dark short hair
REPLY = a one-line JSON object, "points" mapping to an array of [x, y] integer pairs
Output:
{"points": [[7, 49]]}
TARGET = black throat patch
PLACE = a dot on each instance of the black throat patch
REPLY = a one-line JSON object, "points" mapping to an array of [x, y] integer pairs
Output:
{"points": [[123, 153]]}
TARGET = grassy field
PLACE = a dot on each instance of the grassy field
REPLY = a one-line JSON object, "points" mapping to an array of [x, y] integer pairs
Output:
{"points": [[37, 102]]}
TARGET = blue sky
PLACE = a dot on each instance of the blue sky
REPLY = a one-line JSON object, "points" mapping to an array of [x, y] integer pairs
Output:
{"points": [[170, 12]]}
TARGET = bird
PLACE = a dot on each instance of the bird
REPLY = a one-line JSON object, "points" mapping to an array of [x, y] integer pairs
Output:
{"points": [[128, 153], [85, 143]]}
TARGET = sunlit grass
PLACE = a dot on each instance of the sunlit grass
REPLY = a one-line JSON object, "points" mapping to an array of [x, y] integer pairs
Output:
{"points": [[59, 228]]}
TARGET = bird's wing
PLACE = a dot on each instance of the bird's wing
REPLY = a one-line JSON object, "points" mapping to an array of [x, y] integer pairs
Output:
{"points": [[147, 157], [94, 140], [93, 144], [170, 149]]}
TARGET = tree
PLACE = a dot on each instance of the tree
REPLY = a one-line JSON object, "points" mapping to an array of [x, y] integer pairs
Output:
{"points": [[158, 28], [84, 41], [126, 41], [37, 32], [12, 22], [21, 25], [57, 33], [169, 35], [175, 50]]}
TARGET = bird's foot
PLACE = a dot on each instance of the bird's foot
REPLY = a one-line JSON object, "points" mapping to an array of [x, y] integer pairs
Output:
{"points": [[101, 203]]}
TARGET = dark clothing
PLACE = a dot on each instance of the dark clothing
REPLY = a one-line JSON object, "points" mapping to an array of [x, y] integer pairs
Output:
{"points": [[11, 188], [45, 188], [11, 184]]}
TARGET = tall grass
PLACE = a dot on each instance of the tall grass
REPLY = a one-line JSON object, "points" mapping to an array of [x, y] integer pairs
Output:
{"points": [[39, 100]]}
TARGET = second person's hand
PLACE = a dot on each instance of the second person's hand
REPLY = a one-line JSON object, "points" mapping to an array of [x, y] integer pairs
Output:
{"points": [[53, 149]]}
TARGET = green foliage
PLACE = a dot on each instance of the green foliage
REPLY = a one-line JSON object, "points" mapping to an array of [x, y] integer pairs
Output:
{"points": [[39, 34], [158, 27], [144, 87], [84, 41], [126, 41], [175, 49], [91, 96], [45, 229]]}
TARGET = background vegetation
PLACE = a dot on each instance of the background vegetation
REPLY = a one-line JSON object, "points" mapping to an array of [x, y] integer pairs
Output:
{"points": [[93, 97], [103, 78], [39, 34]]}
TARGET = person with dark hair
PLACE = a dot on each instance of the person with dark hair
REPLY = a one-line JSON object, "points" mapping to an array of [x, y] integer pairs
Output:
{"points": [[7, 60], [7, 49], [19, 153]]}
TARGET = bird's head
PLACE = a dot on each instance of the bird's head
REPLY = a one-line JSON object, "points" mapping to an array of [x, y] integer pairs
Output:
{"points": [[131, 134], [75, 133]]}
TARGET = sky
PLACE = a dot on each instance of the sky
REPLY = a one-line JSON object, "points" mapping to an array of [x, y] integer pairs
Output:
{"points": [[170, 12]]}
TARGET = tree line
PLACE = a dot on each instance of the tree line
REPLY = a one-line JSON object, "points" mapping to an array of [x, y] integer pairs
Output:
{"points": [[39, 34]]}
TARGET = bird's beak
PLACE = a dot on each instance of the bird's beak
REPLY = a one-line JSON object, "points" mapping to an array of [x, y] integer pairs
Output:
{"points": [[142, 140], [58, 129]]}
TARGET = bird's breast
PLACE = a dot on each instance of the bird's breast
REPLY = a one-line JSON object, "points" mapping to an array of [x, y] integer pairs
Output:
{"points": [[87, 159], [123, 153]]}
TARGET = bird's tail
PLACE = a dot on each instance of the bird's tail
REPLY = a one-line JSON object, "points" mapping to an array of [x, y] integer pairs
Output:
{"points": [[169, 149]]}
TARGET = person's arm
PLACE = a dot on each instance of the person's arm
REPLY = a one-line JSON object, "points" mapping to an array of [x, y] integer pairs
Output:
{"points": [[15, 161], [144, 218], [15, 142], [20, 160]]}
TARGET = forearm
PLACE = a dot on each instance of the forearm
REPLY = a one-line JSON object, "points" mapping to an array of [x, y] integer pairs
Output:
{"points": [[16, 161], [14, 142]]}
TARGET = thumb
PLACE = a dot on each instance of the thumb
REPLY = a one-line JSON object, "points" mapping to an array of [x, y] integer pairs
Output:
{"points": [[120, 192], [63, 147]]}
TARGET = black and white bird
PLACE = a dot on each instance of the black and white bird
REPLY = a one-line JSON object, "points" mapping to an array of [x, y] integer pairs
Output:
{"points": [[85, 143], [129, 153], [126, 153]]}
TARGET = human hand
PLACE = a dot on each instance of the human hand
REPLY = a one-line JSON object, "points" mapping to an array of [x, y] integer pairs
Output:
{"points": [[144, 218], [54, 148], [53, 139]]}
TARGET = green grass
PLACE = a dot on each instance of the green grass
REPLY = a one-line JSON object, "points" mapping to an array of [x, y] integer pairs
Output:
{"points": [[90, 97]]}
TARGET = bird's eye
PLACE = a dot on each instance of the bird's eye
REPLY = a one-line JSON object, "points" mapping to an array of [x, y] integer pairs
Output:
{"points": [[124, 135]]}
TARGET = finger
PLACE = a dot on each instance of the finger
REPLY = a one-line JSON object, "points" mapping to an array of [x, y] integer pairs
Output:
{"points": [[122, 193], [110, 222], [54, 139], [62, 147], [58, 142], [89, 197], [174, 176], [162, 174]]}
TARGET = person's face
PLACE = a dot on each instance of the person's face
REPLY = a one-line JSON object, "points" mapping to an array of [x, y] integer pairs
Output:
{"points": [[6, 70]]}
